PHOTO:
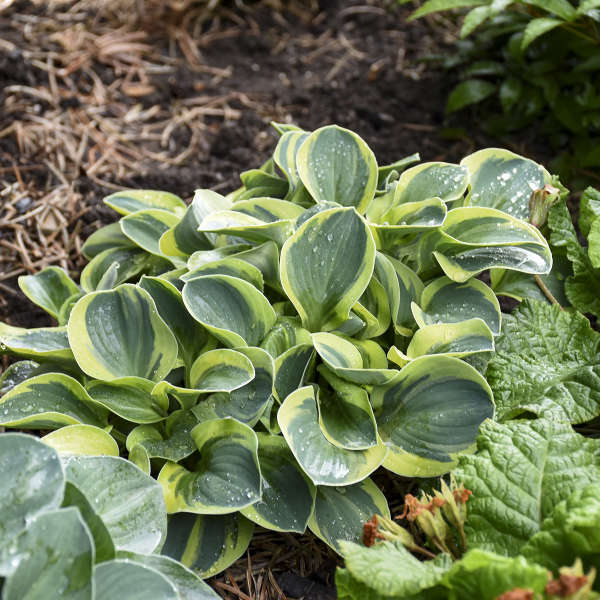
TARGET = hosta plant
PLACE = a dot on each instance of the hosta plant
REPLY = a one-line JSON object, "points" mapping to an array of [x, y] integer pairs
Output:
{"points": [[262, 354]]}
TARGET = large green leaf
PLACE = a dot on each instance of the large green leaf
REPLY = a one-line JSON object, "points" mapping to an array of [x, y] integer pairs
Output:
{"points": [[129, 502], [430, 414], [49, 289], [145, 228], [128, 579], [547, 362], [324, 462], [43, 343], [119, 333], [107, 237], [504, 180], [17, 372], [341, 512], [25, 460], [326, 266], [82, 439], [288, 494], [50, 401], [476, 238], [522, 470], [232, 266], [432, 180], [130, 201], [336, 165], [55, 558], [446, 301], [227, 476], [207, 544], [221, 370], [233, 310]]}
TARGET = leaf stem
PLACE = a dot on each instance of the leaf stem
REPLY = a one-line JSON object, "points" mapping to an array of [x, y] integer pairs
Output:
{"points": [[546, 291]]}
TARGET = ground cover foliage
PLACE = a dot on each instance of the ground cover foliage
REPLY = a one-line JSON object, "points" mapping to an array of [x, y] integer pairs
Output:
{"points": [[531, 62], [254, 358]]}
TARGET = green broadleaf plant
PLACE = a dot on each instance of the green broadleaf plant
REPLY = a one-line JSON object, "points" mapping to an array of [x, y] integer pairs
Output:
{"points": [[238, 348]]}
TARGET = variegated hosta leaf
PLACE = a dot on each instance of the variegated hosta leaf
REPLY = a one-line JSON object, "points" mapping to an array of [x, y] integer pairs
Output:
{"points": [[50, 401], [43, 343], [384, 171], [285, 157], [336, 165], [106, 238], [432, 180], [191, 337], [55, 556], [341, 512], [112, 267], [286, 333], [258, 183], [475, 239], [374, 309], [130, 201], [49, 289], [503, 180], [346, 360], [207, 544], [430, 414], [189, 586], [447, 301], [233, 267], [238, 224], [345, 415], [201, 257], [128, 579], [25, 459], [129, 502], [170, 439], [326, 266], [269, 210], [119, 333], [403, 286], [292, 369], [288, 494], [265, 258], [227, 476], [233, 310], [322, 461], [247, 403], [131, 398], [82, 439], [450, 339], [183, 238], [221, 370], [145, 228]]}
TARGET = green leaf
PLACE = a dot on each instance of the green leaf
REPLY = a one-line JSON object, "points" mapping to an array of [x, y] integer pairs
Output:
{"points": [[475, 239], [391, 570], [522, 470], [560, 8], [18, 372], [292, 369], [436, 5], [108, 237], [288, 496], [233, 310], [503, 180], [511, 91], [336, 165], [537, 27], [221, 371], [130, 201], [119, 333], [260, 184], [589, 209], [56, 557], [189, 586], [487, 576], [432, 180], [325, 463], [127, 579], [226, 479], [43, 343], [473, 19], [430, 414], [49, 289], [594, 244], [326, 266], [25, 460], [446, 301], [285, 156], [469, 92], [129, 502], [50, 401], [82, 439], [207, 544], [547, 362], [340, 512], [145, 228], [131, 398], [231, 266], [285, 334]]}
